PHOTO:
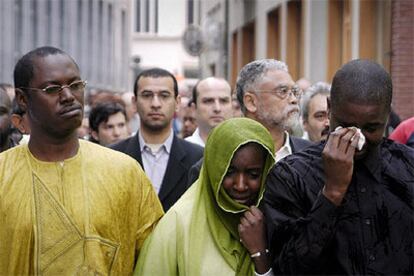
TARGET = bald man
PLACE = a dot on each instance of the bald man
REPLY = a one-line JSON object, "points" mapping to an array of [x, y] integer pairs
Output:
{"points": [[212, 104]]}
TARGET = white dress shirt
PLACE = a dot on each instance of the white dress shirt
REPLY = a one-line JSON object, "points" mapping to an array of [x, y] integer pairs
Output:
{"points": [[285, 150], [196, 138]]}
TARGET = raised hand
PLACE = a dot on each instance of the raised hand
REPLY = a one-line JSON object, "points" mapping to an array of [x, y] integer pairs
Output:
{"points": [[338, 162]]}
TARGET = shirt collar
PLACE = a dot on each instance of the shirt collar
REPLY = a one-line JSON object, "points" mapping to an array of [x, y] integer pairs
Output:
{"points": [[167, 144], [286, 149]]}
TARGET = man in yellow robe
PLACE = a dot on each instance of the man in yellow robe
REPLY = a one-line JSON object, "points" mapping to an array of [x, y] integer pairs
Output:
{"points": [[67, 206]]}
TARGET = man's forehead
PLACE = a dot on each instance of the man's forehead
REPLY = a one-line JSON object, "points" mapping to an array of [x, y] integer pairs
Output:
{"points": [[319, 100], [350, 112], [162, 83], [119, 116], [275, 77], [51, 67], [213, 84], [218, 94]]}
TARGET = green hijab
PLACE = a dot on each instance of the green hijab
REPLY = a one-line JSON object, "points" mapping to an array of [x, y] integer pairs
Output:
{"points": [[212, 202]]}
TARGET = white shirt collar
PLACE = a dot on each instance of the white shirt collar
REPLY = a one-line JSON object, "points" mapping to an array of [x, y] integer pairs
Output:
{"points": [[196, 138], [167, 144], [285, 150]]}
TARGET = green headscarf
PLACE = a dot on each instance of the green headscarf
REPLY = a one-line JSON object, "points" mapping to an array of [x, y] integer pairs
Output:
{"points": [[223, 214]]}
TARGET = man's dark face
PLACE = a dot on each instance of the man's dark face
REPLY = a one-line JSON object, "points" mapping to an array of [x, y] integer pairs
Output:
{"points": [[58, 114], [370, 118]]}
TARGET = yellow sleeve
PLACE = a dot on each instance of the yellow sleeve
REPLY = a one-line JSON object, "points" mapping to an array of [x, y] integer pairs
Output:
{"points": [[150, 211]]}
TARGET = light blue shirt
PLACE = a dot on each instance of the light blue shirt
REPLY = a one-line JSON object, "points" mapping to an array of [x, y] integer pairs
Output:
{"points": [[155, 162]]}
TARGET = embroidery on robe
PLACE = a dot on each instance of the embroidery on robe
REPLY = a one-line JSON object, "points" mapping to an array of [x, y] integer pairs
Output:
{"points": [[60, 247]]}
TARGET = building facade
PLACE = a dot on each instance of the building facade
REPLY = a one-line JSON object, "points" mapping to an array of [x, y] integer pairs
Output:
{"points": [[157, 30], [96, 33], [315, 38]]}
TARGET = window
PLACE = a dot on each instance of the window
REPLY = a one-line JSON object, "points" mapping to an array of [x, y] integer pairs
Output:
{"points": [[190, 12], [138, 16], [273, 34]]}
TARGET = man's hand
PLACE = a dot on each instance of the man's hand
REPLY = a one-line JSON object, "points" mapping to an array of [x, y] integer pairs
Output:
{"points": [[338, 162]]}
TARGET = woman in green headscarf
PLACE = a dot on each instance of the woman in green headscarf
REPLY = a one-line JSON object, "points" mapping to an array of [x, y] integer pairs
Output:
{"points": [[216, 228]]}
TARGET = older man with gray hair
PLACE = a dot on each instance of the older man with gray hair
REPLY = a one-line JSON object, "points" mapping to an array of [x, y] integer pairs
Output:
{"points": [[267, 94], [314, 107]]}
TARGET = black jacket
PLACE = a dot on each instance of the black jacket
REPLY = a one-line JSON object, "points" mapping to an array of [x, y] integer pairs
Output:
{"points": [[183, 155], [370, 233]]}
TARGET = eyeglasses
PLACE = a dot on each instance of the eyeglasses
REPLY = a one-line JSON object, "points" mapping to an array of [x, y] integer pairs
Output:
{"points": [[284, 91], [162, 96], [75, 86]]}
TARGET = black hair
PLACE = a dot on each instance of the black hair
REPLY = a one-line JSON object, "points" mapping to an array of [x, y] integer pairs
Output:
{"points": [[101, 113], [155, 73], [190, 102], [362, 81], [194, 93], [24, 69]]}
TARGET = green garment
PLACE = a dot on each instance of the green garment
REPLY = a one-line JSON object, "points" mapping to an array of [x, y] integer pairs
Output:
{"points": [[198, 235], [87, 215]]}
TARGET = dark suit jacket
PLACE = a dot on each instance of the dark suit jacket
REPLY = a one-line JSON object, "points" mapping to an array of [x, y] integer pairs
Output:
{"points": [[183, 155], [297, 144]]}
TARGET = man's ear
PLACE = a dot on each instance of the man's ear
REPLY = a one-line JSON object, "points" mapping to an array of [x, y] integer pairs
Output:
{"points": [[21, 99], [328, 104], [95, 135], [134, 103], [250, 101], [177, 103], [305, 124], [17, 122]]}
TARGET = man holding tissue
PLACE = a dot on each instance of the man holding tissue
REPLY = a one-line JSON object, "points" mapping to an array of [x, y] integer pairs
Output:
{"points": [[338, 209]]}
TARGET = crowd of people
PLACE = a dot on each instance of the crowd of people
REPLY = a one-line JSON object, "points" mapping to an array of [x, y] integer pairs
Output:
{"points": [[271, 177]]}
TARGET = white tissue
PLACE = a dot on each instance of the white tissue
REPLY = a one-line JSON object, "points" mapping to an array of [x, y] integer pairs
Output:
{"points": [[361, 141]]}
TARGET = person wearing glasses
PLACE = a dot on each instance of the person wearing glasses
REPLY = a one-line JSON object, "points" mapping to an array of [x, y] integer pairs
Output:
{"points": [[314, 108], [165, 157], [267, 94], [67, 206]]}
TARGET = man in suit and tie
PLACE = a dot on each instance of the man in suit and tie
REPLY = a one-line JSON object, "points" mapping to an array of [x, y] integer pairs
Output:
{"points": [[165, 158]]}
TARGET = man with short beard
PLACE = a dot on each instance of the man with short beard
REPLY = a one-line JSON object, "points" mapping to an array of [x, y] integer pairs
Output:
{"points": [[267, 94], [5, 124], [165, 157]]}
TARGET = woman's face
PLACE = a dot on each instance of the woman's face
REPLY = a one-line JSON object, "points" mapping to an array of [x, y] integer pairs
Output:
{"points": [[243, 178]]}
